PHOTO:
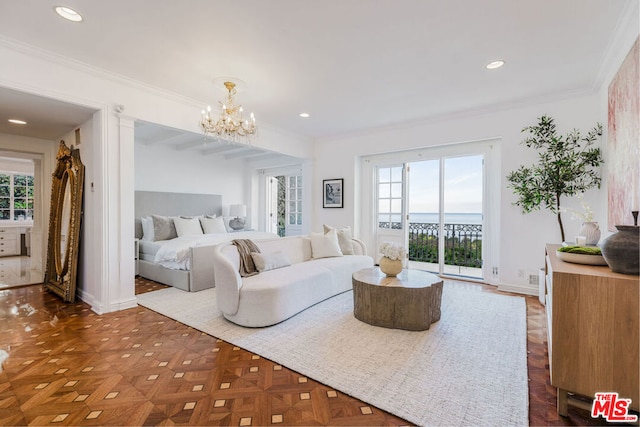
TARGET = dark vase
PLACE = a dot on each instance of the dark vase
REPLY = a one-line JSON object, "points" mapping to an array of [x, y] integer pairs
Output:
{"points": [[622, 250]]}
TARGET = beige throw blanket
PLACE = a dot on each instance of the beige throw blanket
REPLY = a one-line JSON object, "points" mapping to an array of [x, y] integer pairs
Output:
{"points": [[245, 247]]}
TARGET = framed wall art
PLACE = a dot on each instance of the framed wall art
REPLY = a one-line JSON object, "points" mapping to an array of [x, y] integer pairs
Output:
{"points": [[332, 193], [623, 135]]}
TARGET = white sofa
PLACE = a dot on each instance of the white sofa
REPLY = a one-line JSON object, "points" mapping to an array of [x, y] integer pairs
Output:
{"points": [[275, 295]]}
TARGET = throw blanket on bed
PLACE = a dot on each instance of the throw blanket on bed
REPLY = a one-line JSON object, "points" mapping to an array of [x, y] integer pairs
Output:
{"points": [[245, 247]]}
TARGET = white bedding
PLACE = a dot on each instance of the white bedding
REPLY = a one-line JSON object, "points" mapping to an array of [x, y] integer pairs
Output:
{"points": [[174, 253], [148, 247]]}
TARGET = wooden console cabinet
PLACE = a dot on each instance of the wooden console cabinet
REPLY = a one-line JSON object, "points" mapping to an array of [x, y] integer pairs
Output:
{"points": [[592, 327]]}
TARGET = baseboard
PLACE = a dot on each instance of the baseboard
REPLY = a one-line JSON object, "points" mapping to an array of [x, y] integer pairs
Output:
{"points": [[101, 309], [123, 305], [88, 299], [526, 289]]}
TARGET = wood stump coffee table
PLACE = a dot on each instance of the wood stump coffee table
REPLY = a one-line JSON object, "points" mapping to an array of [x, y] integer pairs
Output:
{"points": [[410, 301]]}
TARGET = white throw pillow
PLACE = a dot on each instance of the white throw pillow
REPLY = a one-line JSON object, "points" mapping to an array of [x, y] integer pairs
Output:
{"points": [[325, 245], [345, 239], [187, 226], [147, 228], [270, 261], [213, 225]]}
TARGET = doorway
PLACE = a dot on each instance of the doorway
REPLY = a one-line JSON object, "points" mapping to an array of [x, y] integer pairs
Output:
{"points": [[18, 191], [445, 215], [284, 203], [438, 203]]}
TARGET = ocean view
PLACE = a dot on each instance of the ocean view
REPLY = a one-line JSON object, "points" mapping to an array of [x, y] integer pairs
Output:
{"points": [[449, 218]]}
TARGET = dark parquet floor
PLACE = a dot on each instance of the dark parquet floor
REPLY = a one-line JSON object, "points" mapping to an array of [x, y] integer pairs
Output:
{"points": [[62, 364]]}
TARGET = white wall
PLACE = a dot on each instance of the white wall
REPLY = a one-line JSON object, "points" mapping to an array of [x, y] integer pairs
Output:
{"points": [[87, 288], [522, 237], [12, 165], [162, 168]]}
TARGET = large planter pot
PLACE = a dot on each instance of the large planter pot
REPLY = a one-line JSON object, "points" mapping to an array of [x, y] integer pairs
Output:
{"points": [[390, 267], [591, 231], [622, 250]]}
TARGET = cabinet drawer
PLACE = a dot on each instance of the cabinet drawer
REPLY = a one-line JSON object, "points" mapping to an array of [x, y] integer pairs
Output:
{"points": [[9, 251], [8, 237]]}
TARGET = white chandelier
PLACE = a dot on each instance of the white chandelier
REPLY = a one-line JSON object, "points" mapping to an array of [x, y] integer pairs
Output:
{"points": [[230, 125]]}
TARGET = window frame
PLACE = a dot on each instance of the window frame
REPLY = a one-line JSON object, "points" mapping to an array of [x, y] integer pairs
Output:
{"points": [[12, 198]]}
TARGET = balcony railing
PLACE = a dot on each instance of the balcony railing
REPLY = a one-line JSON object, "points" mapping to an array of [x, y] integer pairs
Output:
{"points": [[462, 247]]}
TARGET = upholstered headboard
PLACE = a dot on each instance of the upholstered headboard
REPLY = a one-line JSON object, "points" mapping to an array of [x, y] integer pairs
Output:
{"points": [[174, 204]]}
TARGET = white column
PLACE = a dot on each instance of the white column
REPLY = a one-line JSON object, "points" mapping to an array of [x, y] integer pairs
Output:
{"points": [[126, 284]]}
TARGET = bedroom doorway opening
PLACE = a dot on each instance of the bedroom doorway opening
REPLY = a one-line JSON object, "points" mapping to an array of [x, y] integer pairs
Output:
{"points": [[284, 203]]}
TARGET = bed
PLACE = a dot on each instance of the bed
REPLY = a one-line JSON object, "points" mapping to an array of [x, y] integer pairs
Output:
{"points": [[183, 262]]}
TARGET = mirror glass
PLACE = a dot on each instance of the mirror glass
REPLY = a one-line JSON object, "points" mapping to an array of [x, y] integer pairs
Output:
{"points": [[63, 225]]}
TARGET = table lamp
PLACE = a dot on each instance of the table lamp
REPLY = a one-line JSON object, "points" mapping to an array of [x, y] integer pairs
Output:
{"points": [[239, 212]]}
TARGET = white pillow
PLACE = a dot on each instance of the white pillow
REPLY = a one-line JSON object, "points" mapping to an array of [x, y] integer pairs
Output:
{"points": [[147, 228], [213, 225], [345, 239], [325, 245], [270, 261], [187, 226]]}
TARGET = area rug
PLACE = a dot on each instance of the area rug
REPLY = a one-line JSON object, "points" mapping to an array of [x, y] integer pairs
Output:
{"points": [[469, 368]]}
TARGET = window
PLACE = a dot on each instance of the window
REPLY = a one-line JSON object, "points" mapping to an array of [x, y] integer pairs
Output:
{"points": [[390, 197], [295, 200], [16, 197]]}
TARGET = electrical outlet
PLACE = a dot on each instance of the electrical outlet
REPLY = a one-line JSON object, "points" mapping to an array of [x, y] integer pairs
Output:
{"points": [[533, 279]]}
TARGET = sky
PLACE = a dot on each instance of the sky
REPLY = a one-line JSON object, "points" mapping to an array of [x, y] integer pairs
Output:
{"points": [[462, 185]]}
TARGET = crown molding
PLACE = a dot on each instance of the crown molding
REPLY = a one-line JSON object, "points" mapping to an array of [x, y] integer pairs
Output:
{"points": [[99, 73], [617, 49], [463, 114]]}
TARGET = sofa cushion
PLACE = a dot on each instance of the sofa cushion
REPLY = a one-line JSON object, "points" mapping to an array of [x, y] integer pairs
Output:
{"points": [[325, 245], [345, 238], [273, 296], [343, 268], [296, 248], [270, 261]]}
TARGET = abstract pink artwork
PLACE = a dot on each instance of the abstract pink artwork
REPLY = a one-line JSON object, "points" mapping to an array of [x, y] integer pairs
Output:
{"points": [[624, 140]]}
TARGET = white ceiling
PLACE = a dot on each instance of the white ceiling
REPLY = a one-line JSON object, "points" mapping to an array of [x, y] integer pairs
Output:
{"points": [[352, 64]]}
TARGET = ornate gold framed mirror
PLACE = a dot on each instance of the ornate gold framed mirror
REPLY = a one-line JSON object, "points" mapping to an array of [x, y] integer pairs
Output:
{"points": [[64, 223]]}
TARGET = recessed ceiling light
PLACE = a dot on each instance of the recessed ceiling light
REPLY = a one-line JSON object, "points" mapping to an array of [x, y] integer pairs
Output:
{"points": [[17, 122], [68, 13], [304, 115], [495, 64]]}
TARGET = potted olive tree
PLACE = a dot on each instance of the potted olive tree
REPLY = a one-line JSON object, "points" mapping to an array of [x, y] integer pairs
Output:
{"points": [[567, 165]]}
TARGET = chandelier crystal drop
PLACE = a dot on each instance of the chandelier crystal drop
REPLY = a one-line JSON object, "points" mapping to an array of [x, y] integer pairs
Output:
{"points": [[230, 125]]}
